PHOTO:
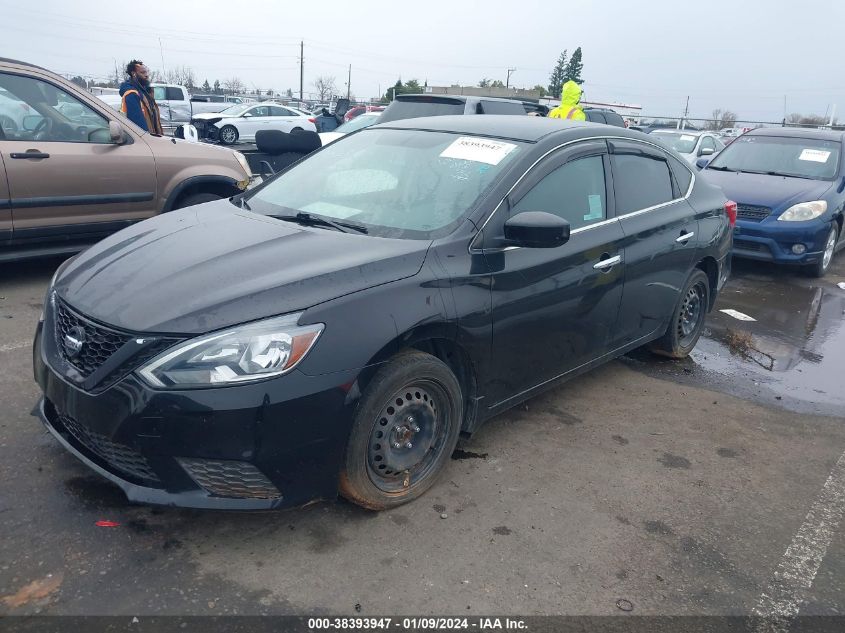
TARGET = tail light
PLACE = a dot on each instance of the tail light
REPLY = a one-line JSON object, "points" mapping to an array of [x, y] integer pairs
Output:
{"points": [[730, 210], [312, 120]]}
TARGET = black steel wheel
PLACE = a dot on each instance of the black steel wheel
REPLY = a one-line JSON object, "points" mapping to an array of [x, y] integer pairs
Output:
{"points": [[405, 429], [687, 320]]}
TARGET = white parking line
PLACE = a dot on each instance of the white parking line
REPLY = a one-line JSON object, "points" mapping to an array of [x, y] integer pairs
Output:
{"points": [[13, 346], [737, 314], [781, 600]]}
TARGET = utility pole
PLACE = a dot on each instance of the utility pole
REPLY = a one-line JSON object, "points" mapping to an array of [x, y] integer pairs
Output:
{"points": [[508, 82], [349, 83], [833, 115], [161, 50], [301, 67], [683, 122]]}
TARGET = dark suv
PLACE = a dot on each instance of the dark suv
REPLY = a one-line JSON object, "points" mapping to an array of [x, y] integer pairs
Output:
{"points": [[600, 115], [414, 106]]}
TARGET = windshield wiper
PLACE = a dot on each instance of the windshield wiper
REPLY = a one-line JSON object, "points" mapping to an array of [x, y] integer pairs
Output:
{"points": [[720, 168], [242, 203], [311, 219], [778, 173]]}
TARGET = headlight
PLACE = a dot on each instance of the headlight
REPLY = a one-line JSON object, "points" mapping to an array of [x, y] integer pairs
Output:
{"points": [[804, 211], [251, 352], [245, 165]]}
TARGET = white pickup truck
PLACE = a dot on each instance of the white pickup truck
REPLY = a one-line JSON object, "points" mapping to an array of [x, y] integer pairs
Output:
{"points": [[215, 103], [174, 102]]}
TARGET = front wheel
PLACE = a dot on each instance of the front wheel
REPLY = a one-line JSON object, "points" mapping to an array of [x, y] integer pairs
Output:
{"points": [[687, 319], [819, 269], [228, 135], [404, 432]]}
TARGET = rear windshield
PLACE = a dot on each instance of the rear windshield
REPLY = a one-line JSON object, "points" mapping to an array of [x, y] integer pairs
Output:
{"points": [[421, 106], [780, 156]]}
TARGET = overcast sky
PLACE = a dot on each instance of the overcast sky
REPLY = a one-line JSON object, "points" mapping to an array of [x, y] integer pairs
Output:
{"points": [[745, 56]]}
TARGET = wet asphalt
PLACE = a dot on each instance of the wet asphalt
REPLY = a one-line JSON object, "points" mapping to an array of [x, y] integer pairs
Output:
{"points": [[670, 487]]}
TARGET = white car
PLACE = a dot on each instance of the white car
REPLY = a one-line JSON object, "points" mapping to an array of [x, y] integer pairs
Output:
{"points": [[690, 144], [241, 122], [358, 123]]}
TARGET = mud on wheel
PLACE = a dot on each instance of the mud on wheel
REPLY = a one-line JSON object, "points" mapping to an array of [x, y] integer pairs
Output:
{"points": [[404, 432]]}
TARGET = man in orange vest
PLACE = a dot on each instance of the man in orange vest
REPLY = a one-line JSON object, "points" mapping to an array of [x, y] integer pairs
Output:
{"points": [[138, 103], [570, 104]]}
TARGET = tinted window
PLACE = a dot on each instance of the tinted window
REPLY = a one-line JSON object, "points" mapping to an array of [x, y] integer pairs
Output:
{"points": [[174, 94], [502, 107], [614, 119], [640, 181], [277, 111], [683, 176], [575, 191], [595, 116], [422, 106]]}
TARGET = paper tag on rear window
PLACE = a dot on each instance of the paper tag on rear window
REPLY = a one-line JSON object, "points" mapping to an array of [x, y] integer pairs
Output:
{"points": [[479, 150], [815, 155]]}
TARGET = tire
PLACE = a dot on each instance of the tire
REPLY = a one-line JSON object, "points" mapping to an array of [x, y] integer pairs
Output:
{"points": [[228, 135], [819, 269], [687, 319], [380, 470], [297, 129], [197, 198]]}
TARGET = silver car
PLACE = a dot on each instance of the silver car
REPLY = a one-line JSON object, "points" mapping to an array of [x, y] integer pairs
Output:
{"points": [[690, 144]]}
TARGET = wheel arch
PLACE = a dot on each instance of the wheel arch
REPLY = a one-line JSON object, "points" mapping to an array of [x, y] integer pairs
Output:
{"points": [[710, 267], [222, 186]]}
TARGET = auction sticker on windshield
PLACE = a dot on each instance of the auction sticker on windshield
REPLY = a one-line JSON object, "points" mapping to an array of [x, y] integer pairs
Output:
{"points": [[815, 155], [687, 137], [479, 150]]}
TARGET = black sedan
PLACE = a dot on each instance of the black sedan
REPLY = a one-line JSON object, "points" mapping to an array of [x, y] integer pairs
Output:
{"points": [[335, 329]]}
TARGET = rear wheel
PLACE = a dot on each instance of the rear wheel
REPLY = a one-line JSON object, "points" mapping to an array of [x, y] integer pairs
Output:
{"points": [[687, 319], [228, 135], [404, 432], [819, 269]]}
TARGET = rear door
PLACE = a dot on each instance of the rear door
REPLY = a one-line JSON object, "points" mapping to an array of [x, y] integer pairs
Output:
{"points": [[5, 204], [661, 236], [555, 309], [65, 177]]}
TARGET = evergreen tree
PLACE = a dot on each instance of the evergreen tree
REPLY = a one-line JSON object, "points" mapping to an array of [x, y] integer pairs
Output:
{"points": [[574, 68], [217, 87], [206, 88], [557, 78]]}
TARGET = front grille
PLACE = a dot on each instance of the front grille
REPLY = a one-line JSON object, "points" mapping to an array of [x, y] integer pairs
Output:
{"points": [[138, 360], [119, 456], [752, 212], [230, 478], [748, 245], [99, 342]]}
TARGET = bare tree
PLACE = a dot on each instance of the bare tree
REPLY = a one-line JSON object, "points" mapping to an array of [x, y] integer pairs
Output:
{"points": [[181, 76], [325, 87], [233, 85], [720, 119]]}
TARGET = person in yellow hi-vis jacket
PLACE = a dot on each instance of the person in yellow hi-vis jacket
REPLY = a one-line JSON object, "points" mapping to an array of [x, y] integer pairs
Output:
{"points": [[570, 104], [138, 104]]}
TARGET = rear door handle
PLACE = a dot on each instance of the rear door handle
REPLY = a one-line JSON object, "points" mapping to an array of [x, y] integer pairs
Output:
{"points": [[684, 238], [29, 154], [604, 264]]}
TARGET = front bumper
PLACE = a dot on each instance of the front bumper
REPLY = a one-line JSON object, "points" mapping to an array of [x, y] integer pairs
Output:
{"points": [[772, 240], [265, 445]]}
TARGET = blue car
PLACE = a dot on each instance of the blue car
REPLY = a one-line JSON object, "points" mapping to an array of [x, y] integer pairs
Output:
{"points": [[788, 185]]}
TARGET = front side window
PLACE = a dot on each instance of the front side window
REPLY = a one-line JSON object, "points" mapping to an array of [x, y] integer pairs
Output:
{"points": [[259, 111], [575, 192], [39, 111], [708, 143], [640, 181], [406, 184]]}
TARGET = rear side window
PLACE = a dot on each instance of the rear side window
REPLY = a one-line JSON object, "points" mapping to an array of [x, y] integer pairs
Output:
{"points": [[595, 116], [174, 94], [502, 107], [421, 106], [614, 119], [640, 181], [683, 176]]}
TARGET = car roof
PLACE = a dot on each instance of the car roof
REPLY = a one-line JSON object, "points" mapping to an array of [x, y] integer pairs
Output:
{"points": [[405, 97], [7, 60], [664, 130], [529, 129], [798, 132]]}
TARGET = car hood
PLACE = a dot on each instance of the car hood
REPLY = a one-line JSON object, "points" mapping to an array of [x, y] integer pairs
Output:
{"points": [[213, 265], [212, 117], [776, 192]]}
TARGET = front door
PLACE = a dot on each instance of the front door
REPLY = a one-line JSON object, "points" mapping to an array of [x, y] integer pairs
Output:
{"points": [[258, 119], [555, 309], [66, 178], [661, 237], [5, 205]]}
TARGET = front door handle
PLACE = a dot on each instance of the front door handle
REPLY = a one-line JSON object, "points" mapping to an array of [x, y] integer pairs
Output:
{"points": [[684, 238], [29, 154], [610, 262]]}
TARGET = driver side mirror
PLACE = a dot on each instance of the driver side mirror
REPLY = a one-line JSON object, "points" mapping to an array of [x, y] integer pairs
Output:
{"points": [[116, 133], [536, 229], [701, 163], [706, 151], [247, 115]]}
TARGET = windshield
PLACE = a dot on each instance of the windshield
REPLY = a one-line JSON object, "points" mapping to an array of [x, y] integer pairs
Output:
{"points": [[781, 156], [680, 142], [235, 110], [397, 183], [358, 123]]}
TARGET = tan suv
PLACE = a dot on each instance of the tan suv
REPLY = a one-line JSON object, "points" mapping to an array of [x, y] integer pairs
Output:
{"points": [[72, 170]]}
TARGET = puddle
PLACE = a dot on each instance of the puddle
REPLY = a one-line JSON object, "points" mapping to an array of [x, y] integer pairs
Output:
{"points": [[796, 345]]}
